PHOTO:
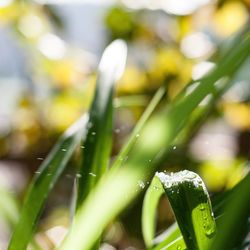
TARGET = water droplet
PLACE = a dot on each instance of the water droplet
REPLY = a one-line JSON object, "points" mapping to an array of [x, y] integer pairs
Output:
{"points": [[117, 131], [209, 232], [78, 175], [209, 229], [89, 125], [40, 158], [141, 184], [204, 215], [137, 135], [202, 207], [168, 184], [191, 175], [178, 247], [64, 150], [38, 172], [94, 175], [93, 133], [82, 146], [174, 147]]}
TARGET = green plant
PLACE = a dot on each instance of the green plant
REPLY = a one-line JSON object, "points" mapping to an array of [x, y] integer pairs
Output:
{"points": [[102, 193]]}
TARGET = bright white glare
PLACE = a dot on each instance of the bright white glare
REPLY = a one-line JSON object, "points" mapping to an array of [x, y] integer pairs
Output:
{"points": [[216, 141], [114, 59], [52, 46], [5, 3], [201, 69], [56, 234], [93, 2], [176, 7], [182, 7], [196, 45], [30, 26], [238, 92]]}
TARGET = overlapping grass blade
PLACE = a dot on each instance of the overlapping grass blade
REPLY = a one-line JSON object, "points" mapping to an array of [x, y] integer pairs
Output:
{"points": [[177, 244], [190, 202], [43, 182], [166, 237], [118, 189], [234, 220], [149, 209], [136, 131], [98, 143]]}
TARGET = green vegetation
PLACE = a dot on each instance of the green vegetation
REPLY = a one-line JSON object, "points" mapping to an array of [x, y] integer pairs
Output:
{"points": [[105, 189]]}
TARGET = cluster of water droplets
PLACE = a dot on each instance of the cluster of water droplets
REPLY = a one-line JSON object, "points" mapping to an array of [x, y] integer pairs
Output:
{"points": [[174, 179], [172, 182]]}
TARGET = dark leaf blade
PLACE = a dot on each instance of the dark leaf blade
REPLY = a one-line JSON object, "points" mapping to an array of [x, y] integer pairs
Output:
{"points": [[235, 218], [43, 182], [191, 204], [98, 142]]}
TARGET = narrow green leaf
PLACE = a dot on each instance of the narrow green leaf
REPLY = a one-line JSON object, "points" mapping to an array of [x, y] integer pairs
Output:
{"points": [[191, 204], [235, 218], [177, 244], [130, 101], [118, 189], [9, 208], [151, 200], [136, 131], [98, 143], [166, 237], [43, 182]]}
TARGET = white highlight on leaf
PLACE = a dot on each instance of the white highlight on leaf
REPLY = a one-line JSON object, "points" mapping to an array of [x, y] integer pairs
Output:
{"points": [[77, 126], [113, 60]]}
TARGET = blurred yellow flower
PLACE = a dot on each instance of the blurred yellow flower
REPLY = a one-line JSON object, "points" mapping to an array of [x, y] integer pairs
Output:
{"points": [[63, 111], [230, 18], [133, 81], [238, 115], [221, 174]]}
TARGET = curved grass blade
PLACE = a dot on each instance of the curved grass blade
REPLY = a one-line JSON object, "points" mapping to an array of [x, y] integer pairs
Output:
{"points": [[177, 244], [169, 235], [98, 142], [43, 182], [133, 137], [237, 211], [149, 208], [190, 202], [118, 189]]}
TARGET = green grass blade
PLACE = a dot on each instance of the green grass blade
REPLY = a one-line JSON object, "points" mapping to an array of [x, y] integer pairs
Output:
{"points": [[234, 220], [133, 137], [9, 208], [169, 235], [118, 189], [131, 101], [190, 202], [149, 209], [98, 143], [43, 182], [177, 244]]}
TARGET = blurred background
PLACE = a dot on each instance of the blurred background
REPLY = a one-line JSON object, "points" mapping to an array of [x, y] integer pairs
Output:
{"points": [[49, 52]]}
